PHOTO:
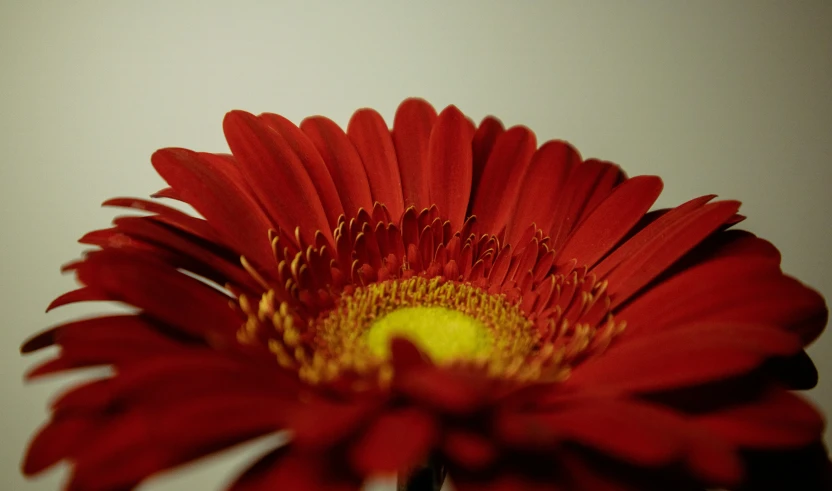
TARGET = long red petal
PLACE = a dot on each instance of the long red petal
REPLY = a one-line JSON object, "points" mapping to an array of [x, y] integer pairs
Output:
{"points": [[289, 469], [731, 289], [501, 179], [229, 209], [397, 440], [368, 132], [411, 136], [588, 184], [171, 216], [482, 145], [343, 161], [312, 162], [665, 249], [164, 293], [136, 444], [684, 356], [277, 175], [776, 420], [542, 188], [450, 165], [610, 221]]}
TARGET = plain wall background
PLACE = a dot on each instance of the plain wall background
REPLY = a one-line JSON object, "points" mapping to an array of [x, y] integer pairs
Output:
{"points": [[727, 97]]}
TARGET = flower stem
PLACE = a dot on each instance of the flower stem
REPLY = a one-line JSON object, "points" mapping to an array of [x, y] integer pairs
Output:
{"points": [[427, 477]]}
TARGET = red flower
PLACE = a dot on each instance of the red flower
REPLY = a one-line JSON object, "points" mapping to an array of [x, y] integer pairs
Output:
{"points": [[437, 292]]}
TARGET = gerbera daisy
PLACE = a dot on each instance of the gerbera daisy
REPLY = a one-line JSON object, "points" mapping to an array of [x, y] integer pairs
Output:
{"points": [[439, 298]]}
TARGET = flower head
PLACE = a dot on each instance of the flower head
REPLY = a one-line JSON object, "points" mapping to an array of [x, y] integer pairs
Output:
{"points": [[436, 292]]}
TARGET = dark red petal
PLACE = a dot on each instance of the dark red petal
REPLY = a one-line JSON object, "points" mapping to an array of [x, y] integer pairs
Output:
{"points": [[396, 441], [684, 356], [368, 132], [166, 381], [482, 144], [730, 289], [776, 420], [610, 221], [637, 433], [782, 469], [164, 293], [448, 390], [342, 161], [54, 442], [189, 252], [322, 424], [499, 188], [85, 294], [168, 193], [542, 188], [172, 217], [588, 184], [411, 136], [133, 445], [107, 340], [735, 243], [656, 223], [276, 175], [450, 165], [287, 469], [666, 248], [470, 450], [312, 162], [229, 209], [796, 372]]}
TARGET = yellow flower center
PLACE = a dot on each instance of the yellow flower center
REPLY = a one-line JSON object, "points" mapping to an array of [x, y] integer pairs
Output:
{"points": [[440, 332], [450, 322]]}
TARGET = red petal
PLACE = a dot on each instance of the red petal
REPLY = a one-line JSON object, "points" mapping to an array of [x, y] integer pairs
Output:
{"points": [[638, 433], [481, 146], [85, 294], [778, 419], [587, 186], [287, 469], [54, 442], [684, 356], [451, 390], [277, 176], [396, 441], [321, 424], [312, 162], [190, 253], [542, 188], [659, 221], [610, 221], [499, 188], [130, 447], [411, 136], [170, 216], [229, 209], [108, 340], [450, 165], [368, 132], [342, 161], [666, 248], [169, 380], [470, 450], [730, 289], [164, 293]]}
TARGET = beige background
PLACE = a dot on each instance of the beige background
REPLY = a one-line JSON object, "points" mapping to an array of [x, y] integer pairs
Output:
{"points": [[729, 97]]}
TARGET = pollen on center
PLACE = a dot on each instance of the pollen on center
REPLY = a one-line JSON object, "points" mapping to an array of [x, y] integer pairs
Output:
{"points": [[442, 333]]}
